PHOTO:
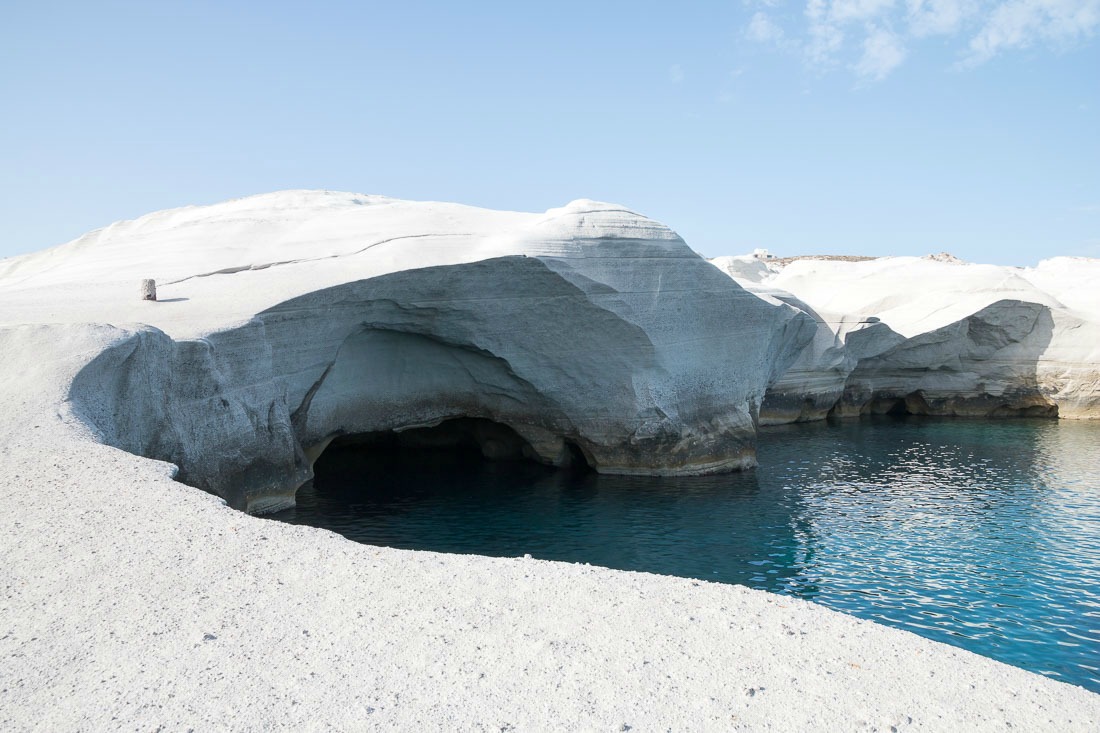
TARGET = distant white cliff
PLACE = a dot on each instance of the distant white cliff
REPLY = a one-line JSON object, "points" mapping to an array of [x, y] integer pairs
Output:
{"points": [[934, 335]]}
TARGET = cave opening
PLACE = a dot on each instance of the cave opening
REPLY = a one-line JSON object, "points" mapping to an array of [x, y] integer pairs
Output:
{"points": [[894, 406], [453, 453]]}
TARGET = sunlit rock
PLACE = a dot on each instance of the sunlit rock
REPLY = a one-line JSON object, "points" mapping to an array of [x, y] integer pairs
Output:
{"points": [[288, 320], [935, 335]]}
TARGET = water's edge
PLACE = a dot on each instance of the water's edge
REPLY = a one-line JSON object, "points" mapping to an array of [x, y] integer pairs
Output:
{"points": [[979, 534]]}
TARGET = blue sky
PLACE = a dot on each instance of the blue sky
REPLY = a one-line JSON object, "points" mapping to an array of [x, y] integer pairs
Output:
{"points": [[821, 126]]}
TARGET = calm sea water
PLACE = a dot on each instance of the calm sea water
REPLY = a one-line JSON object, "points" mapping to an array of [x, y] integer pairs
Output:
{"points": [[985, 535]]}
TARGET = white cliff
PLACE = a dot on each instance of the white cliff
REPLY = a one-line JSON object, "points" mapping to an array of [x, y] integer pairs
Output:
{"points": [[133, 601], [936, 335], [287, 320]]}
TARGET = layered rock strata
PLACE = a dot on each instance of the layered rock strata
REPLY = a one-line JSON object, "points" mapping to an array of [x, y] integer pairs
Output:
{"points": [[587, 331]]}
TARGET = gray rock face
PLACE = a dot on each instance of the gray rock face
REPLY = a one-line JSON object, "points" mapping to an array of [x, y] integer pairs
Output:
{"points": [[984, 365], [815, 382], [211, 407], [611, 343]]}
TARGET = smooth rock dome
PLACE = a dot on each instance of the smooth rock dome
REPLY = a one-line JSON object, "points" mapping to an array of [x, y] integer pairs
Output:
{"points": [[287, 320]]}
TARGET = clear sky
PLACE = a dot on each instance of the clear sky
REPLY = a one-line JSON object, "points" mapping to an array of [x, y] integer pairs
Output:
{"points": [[827, 126]]}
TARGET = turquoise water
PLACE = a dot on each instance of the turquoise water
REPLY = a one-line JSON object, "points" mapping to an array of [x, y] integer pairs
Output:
{"points": [[985, 535]]}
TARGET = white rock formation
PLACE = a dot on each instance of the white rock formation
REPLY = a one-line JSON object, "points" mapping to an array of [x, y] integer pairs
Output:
{"points": [[936, 335], [814, 383], [132, 601], [1069, 371], [290, 319]]}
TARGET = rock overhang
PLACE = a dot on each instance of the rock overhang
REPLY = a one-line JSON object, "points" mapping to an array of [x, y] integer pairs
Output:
{"points": [[595, 327]]}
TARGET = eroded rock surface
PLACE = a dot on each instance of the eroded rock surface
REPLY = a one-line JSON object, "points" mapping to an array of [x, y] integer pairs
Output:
{"points": [[935, 336], [131, 600], [288, 320]]}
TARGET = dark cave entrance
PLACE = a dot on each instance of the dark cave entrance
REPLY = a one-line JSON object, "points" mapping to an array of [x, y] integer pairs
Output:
{"points": [[897, 406], [452, 453]]}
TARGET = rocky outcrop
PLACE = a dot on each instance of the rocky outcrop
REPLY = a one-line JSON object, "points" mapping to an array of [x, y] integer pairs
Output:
{"points": [[588, 333], [934, 336], [812, 385], [290, 320], [981, 366]]}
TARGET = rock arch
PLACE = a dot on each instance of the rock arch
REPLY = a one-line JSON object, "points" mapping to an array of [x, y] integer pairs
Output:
{"points": [[638, 381]]}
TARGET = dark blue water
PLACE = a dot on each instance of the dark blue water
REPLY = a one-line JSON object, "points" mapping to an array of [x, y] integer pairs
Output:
{"points": [[985, 535]]}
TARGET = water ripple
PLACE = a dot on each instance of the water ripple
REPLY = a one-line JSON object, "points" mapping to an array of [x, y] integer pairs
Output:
{"points": [[985, 535]]}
